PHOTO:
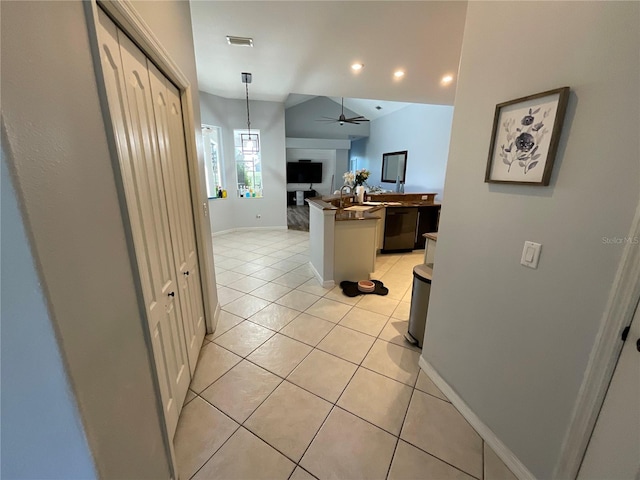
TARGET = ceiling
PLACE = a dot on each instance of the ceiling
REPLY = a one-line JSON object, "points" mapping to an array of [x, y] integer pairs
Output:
{"points": [[367, 108], [307, 48]]}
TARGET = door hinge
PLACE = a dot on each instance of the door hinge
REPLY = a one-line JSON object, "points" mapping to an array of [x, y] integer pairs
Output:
{"points": [[625, 333]]}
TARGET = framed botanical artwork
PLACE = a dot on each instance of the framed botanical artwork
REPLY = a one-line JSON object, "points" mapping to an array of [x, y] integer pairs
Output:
{"points": [[525, 138]]}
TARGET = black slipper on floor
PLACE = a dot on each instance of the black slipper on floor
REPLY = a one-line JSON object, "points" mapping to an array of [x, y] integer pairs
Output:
{"points": [[350, 289]]}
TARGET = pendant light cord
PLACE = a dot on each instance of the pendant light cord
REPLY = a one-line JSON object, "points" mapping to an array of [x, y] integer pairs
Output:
{"points": [[246, 86]]}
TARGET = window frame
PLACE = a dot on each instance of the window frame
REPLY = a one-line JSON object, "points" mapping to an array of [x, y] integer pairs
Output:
{"points": [[214, 147], [253, 160]]}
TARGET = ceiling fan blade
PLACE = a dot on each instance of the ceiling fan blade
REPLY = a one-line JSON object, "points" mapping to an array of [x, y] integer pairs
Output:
{"points": [[356, 119]]}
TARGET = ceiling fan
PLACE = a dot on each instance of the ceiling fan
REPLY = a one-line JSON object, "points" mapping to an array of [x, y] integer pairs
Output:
{"points": [[342, 119]]}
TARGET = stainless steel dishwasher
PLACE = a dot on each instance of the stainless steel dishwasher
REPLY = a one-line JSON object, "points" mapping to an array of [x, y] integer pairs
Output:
{"points": [[400, 229]]}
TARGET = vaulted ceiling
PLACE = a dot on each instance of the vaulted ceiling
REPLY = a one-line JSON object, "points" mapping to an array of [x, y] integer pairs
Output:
{"points": [[307, 47]]}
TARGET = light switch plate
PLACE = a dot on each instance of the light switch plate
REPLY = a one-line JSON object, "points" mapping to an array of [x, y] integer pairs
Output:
{"points": [[530, 254]]}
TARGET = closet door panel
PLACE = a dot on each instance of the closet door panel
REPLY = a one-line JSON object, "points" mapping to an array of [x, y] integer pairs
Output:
{"points": [[178, 226], [128, 95], [118, 108], [174, 163], [146, 247], [160, 107], [188, 249], [155, 226], [164, 307], [145, 243]]}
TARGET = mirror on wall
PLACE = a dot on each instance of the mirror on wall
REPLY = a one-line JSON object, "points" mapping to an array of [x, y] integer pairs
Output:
{"points": [[394, 166]]}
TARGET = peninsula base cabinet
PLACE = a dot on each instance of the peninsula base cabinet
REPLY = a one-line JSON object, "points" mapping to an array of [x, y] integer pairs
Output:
{"points": [[355, 258], [146, 117]]}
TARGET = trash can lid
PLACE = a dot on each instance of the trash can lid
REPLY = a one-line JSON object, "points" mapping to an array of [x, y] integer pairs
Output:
{"points": [[422, 272]]}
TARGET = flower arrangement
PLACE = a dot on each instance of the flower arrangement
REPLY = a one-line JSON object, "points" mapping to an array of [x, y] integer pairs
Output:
{"points": [[357, 178]]}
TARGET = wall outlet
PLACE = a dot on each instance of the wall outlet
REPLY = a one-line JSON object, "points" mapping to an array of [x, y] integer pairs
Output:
{"points": [[258, 215]]}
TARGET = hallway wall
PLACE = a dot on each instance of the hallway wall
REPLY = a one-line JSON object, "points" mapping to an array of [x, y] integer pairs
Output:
{"points": [[33, 376], [268, 117], [72, 215], [514, 342]]}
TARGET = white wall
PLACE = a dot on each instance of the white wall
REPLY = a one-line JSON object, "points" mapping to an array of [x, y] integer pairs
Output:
{"points": [[422, 130], [514, 342], [342, 166], [268, 117], [71, 211], [328, 160], [39, 413]]}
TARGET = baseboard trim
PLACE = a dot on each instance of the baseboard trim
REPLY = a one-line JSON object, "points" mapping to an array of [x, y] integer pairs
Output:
{"points": [[210, 327], [323, 282], [242, 229], [503, 452]]}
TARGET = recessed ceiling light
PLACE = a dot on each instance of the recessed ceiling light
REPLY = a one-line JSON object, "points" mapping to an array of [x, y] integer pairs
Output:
{"points": [[357, 66], [240, 41], [446, 80], [398, 74]]}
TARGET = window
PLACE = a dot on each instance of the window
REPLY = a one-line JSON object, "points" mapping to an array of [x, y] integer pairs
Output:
{"points": [[211, 137], [248, 165]]}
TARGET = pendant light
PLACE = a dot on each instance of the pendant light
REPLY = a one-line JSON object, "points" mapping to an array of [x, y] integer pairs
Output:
{"points": [[250, 142]]}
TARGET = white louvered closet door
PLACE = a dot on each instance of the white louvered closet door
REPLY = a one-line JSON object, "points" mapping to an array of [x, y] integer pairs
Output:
{"points": [[168, 114], [131, 107]]}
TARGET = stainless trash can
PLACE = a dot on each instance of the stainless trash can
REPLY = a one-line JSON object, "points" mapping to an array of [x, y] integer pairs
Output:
{"points": [[419, 303]]}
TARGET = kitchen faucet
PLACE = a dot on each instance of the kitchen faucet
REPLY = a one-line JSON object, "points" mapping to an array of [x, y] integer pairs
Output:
{"points": [[342, 194]]}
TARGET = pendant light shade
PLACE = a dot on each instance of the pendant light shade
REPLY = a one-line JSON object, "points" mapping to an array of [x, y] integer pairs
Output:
{"points": [[250, 143]]}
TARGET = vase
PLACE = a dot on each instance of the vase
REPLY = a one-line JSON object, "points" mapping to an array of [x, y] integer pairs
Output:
{"points": [[360, 194]]}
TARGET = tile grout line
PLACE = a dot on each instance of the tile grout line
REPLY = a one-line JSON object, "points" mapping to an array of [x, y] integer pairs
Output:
{"points": [[333, 404], [404, 419], [222, 444], [313, 347], [316, 346]]}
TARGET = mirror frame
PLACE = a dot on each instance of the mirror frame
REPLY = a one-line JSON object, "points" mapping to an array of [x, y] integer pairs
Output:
{"points": [[385, 161]]}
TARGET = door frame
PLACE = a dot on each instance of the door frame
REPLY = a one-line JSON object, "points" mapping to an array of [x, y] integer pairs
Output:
{"points": [[129, 21], [621, 306]]}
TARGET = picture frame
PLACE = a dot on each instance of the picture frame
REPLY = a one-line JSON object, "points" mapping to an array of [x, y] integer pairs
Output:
{"points": [[525, 138]]}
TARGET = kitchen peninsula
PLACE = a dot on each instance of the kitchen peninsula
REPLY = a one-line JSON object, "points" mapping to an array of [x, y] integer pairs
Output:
{"points": [[343, 242]]}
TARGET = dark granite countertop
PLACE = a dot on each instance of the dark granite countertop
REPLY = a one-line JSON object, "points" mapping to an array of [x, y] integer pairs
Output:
{"points": [[376, 203]]}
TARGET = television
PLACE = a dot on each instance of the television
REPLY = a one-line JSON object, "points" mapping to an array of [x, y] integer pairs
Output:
{"points": [[304, 172]]}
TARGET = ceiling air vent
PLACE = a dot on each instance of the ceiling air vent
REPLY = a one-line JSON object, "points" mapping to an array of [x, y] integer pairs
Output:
{"points": [[240, 41]]}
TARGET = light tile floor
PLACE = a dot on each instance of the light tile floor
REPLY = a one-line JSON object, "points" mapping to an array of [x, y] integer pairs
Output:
{"points": [[302, 382]]}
